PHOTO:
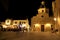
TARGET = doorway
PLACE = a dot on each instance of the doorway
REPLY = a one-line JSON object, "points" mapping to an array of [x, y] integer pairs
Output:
{"points": [[52, 27], [42, 28]]}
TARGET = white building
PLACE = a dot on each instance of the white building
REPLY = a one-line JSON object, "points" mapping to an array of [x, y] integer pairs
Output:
{"points": [[15, 23]]}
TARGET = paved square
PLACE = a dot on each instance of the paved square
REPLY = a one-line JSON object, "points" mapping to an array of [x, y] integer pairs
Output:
{"points": [[29, 36]]}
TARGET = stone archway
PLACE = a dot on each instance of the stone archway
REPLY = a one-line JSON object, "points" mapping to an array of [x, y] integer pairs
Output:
{"points": [[47, 27], [37, 27]]}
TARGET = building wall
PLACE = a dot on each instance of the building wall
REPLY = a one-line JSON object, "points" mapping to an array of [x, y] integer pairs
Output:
{"points": [[20, 21], [54, 8], [57, 11], [42, 21], [15, 23]]}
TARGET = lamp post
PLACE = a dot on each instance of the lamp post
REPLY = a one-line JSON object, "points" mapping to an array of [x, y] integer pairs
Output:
{"points": [[55, 22]]}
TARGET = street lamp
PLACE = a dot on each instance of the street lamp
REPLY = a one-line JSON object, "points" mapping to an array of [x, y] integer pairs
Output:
{"points": [[55, 22], [54, 19]]}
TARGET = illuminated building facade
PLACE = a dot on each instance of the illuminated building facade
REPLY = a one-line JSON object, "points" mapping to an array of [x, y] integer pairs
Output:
{"points": [[42, 22], [16, 23], [57, 9]]}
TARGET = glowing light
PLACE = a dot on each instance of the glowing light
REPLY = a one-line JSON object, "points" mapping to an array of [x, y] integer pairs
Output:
{"points": [[48, 25], [4, 26], [23, 25], [58, 20], [37, 25], [42, 2], [8, 22], [54, 19]]}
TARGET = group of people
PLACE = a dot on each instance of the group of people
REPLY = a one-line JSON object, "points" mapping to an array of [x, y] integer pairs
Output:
{"points": [[23, 27]]}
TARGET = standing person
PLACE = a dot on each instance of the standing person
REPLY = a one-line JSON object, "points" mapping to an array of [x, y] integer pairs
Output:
{"points": [[19, 27], [28, 28], [23, 27]]}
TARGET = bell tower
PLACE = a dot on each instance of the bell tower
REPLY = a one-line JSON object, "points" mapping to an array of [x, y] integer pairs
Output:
{"points": [[43, 11]]}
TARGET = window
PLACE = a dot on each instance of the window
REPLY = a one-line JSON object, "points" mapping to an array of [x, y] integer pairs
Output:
{"points": [[15, 22], [8, 21], [42, 10], [23, 22], [19, 22]]}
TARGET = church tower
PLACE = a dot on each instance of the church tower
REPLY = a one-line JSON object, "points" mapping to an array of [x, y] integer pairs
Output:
{"points": [[43, 11]]}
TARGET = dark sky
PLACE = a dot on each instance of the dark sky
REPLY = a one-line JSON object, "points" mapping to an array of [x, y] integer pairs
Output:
{"points": [[17, 9]]}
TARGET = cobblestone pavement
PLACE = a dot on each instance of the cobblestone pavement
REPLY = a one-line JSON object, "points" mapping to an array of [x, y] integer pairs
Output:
{"points": [[29, 36]]}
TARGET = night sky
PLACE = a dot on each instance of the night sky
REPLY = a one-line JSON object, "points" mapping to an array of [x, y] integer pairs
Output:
{"points": [[21, 9]]}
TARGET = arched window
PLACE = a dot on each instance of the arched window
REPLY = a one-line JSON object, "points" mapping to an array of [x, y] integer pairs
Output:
{"points": [[15, 22], [19, 22], [42, 10], [7, 21]]}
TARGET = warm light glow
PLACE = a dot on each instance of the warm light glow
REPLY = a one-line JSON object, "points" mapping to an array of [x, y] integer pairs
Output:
{"points": [[42, 2], [48, 25], [8, 23], [23, 25], [54, 19], [15, 24], [40, 10], [37, 25], [4, 26], [58, 21], [12, 26]]}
